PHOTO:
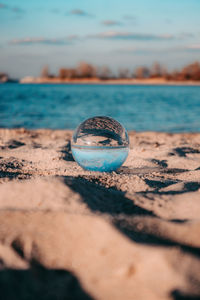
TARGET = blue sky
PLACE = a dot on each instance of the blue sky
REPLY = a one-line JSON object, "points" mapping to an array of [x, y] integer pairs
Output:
{"points": [[117, 33]]}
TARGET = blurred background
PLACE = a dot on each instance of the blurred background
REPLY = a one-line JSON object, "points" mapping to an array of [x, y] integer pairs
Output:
{"points": [[64, 61]]}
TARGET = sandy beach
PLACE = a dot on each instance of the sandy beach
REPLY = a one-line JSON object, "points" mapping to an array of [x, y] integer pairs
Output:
{"points": [[126, 81], [66, 233]]}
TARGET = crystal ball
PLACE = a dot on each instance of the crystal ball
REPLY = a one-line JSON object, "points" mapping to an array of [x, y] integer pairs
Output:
{"points": [[100, 144]]}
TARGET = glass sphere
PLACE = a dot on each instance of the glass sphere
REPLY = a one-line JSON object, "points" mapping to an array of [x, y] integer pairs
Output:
{"points": [[100, 144]]}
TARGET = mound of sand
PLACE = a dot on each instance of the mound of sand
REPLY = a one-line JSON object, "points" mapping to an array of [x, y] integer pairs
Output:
{"points": [[66, 233]]}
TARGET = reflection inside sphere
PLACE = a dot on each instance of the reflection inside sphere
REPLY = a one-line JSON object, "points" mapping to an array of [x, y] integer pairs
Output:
{"points": [[100, 144]]}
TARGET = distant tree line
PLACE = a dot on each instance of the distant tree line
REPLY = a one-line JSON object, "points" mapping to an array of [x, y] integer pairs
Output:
{"points": [[88, 71], [83, 70], [4, 77]]}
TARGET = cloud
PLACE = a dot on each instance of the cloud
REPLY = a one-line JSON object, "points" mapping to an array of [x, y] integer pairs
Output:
{"points": [[113, 35], [130, 19], [195, 47], [3, 6], [17, 9], [80, 12], [111, 23], [14, 9], [168, 21], [73, 37], [45, 41], [185, 35], [55, 10], [141, 51]]}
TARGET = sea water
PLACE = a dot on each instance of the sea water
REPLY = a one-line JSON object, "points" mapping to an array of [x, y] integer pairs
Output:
{"points": [[137, 107]]}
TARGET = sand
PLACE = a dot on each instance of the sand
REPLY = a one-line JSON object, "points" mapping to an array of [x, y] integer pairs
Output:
{"points": [[117, 81], [66, 233]]}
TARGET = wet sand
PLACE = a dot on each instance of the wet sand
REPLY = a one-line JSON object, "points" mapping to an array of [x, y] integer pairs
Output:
{"points": [[66, 233]]}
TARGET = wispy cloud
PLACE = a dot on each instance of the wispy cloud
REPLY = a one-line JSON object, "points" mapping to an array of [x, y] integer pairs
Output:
{"points": [[141, 51], [14, 9], [80, 12], [3, 6], [41, 40], [195, 47], [17, 9], [168, 21], [113, 35], [73, 37], [55, 10], [185, 35], [130, 19], [111, 23]]}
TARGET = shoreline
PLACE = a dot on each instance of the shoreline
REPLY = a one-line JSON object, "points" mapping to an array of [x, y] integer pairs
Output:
{"points": [[153, 81]]}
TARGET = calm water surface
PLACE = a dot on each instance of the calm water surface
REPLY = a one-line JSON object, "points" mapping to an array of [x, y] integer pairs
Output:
{"points": [[158, 108]]}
